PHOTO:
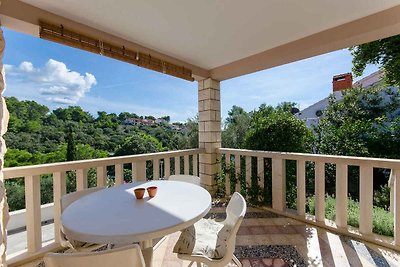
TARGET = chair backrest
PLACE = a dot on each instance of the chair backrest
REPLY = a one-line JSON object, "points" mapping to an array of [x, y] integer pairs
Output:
{"points": [[122, 257], [235, 212], [68, 199], [186, 178]]}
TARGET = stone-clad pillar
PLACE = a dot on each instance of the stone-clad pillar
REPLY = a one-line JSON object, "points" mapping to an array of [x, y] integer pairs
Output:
{"points": [[209, 131], [3, 129]]}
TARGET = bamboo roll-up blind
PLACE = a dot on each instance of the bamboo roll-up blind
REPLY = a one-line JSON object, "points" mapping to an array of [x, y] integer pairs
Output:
{"points": [[64, 36]]}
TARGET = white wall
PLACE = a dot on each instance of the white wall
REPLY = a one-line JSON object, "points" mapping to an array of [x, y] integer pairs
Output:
{"points": [[18, 217]]}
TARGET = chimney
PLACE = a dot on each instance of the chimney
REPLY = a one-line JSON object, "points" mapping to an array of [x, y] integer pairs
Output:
{"points": [[342, 81]]}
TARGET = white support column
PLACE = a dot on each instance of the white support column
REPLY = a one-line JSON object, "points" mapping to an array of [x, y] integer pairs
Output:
{"points": [[195, 165], [119, 174], [396, 207], [278, 184], [238, 185], [320, 191], [260, 176], [81, 179], [228, 174], [177, 165], [248, 171], [366, 199], [139, 171], [101, 175], [3, 129], [301, 187], [209, 130], [186, 166], [33, 213], [156, 169], [59, 190], [167, 167], [341, 195]]}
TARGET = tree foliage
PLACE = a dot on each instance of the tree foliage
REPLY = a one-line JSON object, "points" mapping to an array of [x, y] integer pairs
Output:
{"points": [[277, 129], [364, 123], [37, 136], [384, 52], [235, 129], [139, 144]]}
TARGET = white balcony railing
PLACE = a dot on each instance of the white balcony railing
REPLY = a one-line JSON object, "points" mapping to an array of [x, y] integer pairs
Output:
{"points": [[366, 166], [185, 162]]}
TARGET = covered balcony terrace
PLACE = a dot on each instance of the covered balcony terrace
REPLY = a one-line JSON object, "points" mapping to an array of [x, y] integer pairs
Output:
{"points": [[209, 42]]}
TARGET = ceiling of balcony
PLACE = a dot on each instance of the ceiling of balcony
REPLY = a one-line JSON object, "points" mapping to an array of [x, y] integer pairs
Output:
{"points": [[212, 33]]}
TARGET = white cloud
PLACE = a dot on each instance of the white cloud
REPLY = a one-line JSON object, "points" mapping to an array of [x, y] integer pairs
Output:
{"points": [[54, 81]]}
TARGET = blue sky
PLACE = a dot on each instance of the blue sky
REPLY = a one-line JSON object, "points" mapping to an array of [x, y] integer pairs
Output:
{"points": [[57, 76]]}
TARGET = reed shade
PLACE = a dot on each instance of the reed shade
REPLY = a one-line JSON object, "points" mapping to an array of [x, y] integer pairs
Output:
{"points": [[67, 37]]}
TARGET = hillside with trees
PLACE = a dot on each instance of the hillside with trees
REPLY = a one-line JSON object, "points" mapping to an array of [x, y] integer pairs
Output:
{"points": [[37, 135]]}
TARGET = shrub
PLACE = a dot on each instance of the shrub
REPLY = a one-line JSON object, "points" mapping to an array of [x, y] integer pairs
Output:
{"points": [[383, 221]]}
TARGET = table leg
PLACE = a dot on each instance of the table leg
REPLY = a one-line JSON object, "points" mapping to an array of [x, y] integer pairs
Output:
{"points": [[147, 250]]}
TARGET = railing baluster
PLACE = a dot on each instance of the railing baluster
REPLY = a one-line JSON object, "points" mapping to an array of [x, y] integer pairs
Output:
{"points": [[320, 191], [341, 195], [33, 213], [101, 176], [186, 164], [227, 174], [139, 170], [301, 187], [396, 202], [177, 165], [248, 171], [59, 189], [278, 184], [81, 179], [167, 167], [237, 172], [156, 169], [260, 176], [392, 180], [195, 165], [119, 174], [366, 199]]}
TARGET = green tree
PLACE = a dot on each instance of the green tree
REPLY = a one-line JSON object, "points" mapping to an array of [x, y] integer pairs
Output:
{"points": [[190, 138], [236, 126], [364, 123], [277, 130], [383, 52], [71, 147], [139, 144]]}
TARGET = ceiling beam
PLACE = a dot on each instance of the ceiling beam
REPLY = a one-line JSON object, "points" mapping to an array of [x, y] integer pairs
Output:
{"points": [[377, 26], [22, 17]]}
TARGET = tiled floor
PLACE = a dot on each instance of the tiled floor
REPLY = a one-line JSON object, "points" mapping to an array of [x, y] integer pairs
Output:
{"points": [[267, 239]]}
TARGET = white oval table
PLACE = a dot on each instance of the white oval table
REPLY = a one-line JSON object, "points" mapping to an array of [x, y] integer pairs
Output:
{"points": [[115, 216]]}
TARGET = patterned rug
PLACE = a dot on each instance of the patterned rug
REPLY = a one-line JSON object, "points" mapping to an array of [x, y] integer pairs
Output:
{"points": [[269, 255]]}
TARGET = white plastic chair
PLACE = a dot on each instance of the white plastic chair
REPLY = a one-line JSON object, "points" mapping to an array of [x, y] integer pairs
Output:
{"points": [[235, 212], [122, 257], [186, 178], [67, 200]]}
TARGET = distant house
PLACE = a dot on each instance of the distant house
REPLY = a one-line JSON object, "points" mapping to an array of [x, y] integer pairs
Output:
{"points": [[161, 121], [312, 114], [148, 122], [133, 121]]}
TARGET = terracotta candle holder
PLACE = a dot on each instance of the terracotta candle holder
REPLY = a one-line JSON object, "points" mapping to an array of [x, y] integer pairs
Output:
{"points": [[139, 192], [152, 191]]}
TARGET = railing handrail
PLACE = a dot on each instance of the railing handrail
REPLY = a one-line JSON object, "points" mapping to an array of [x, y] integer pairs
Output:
{"points": [[348, 160], [21, 171]]}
